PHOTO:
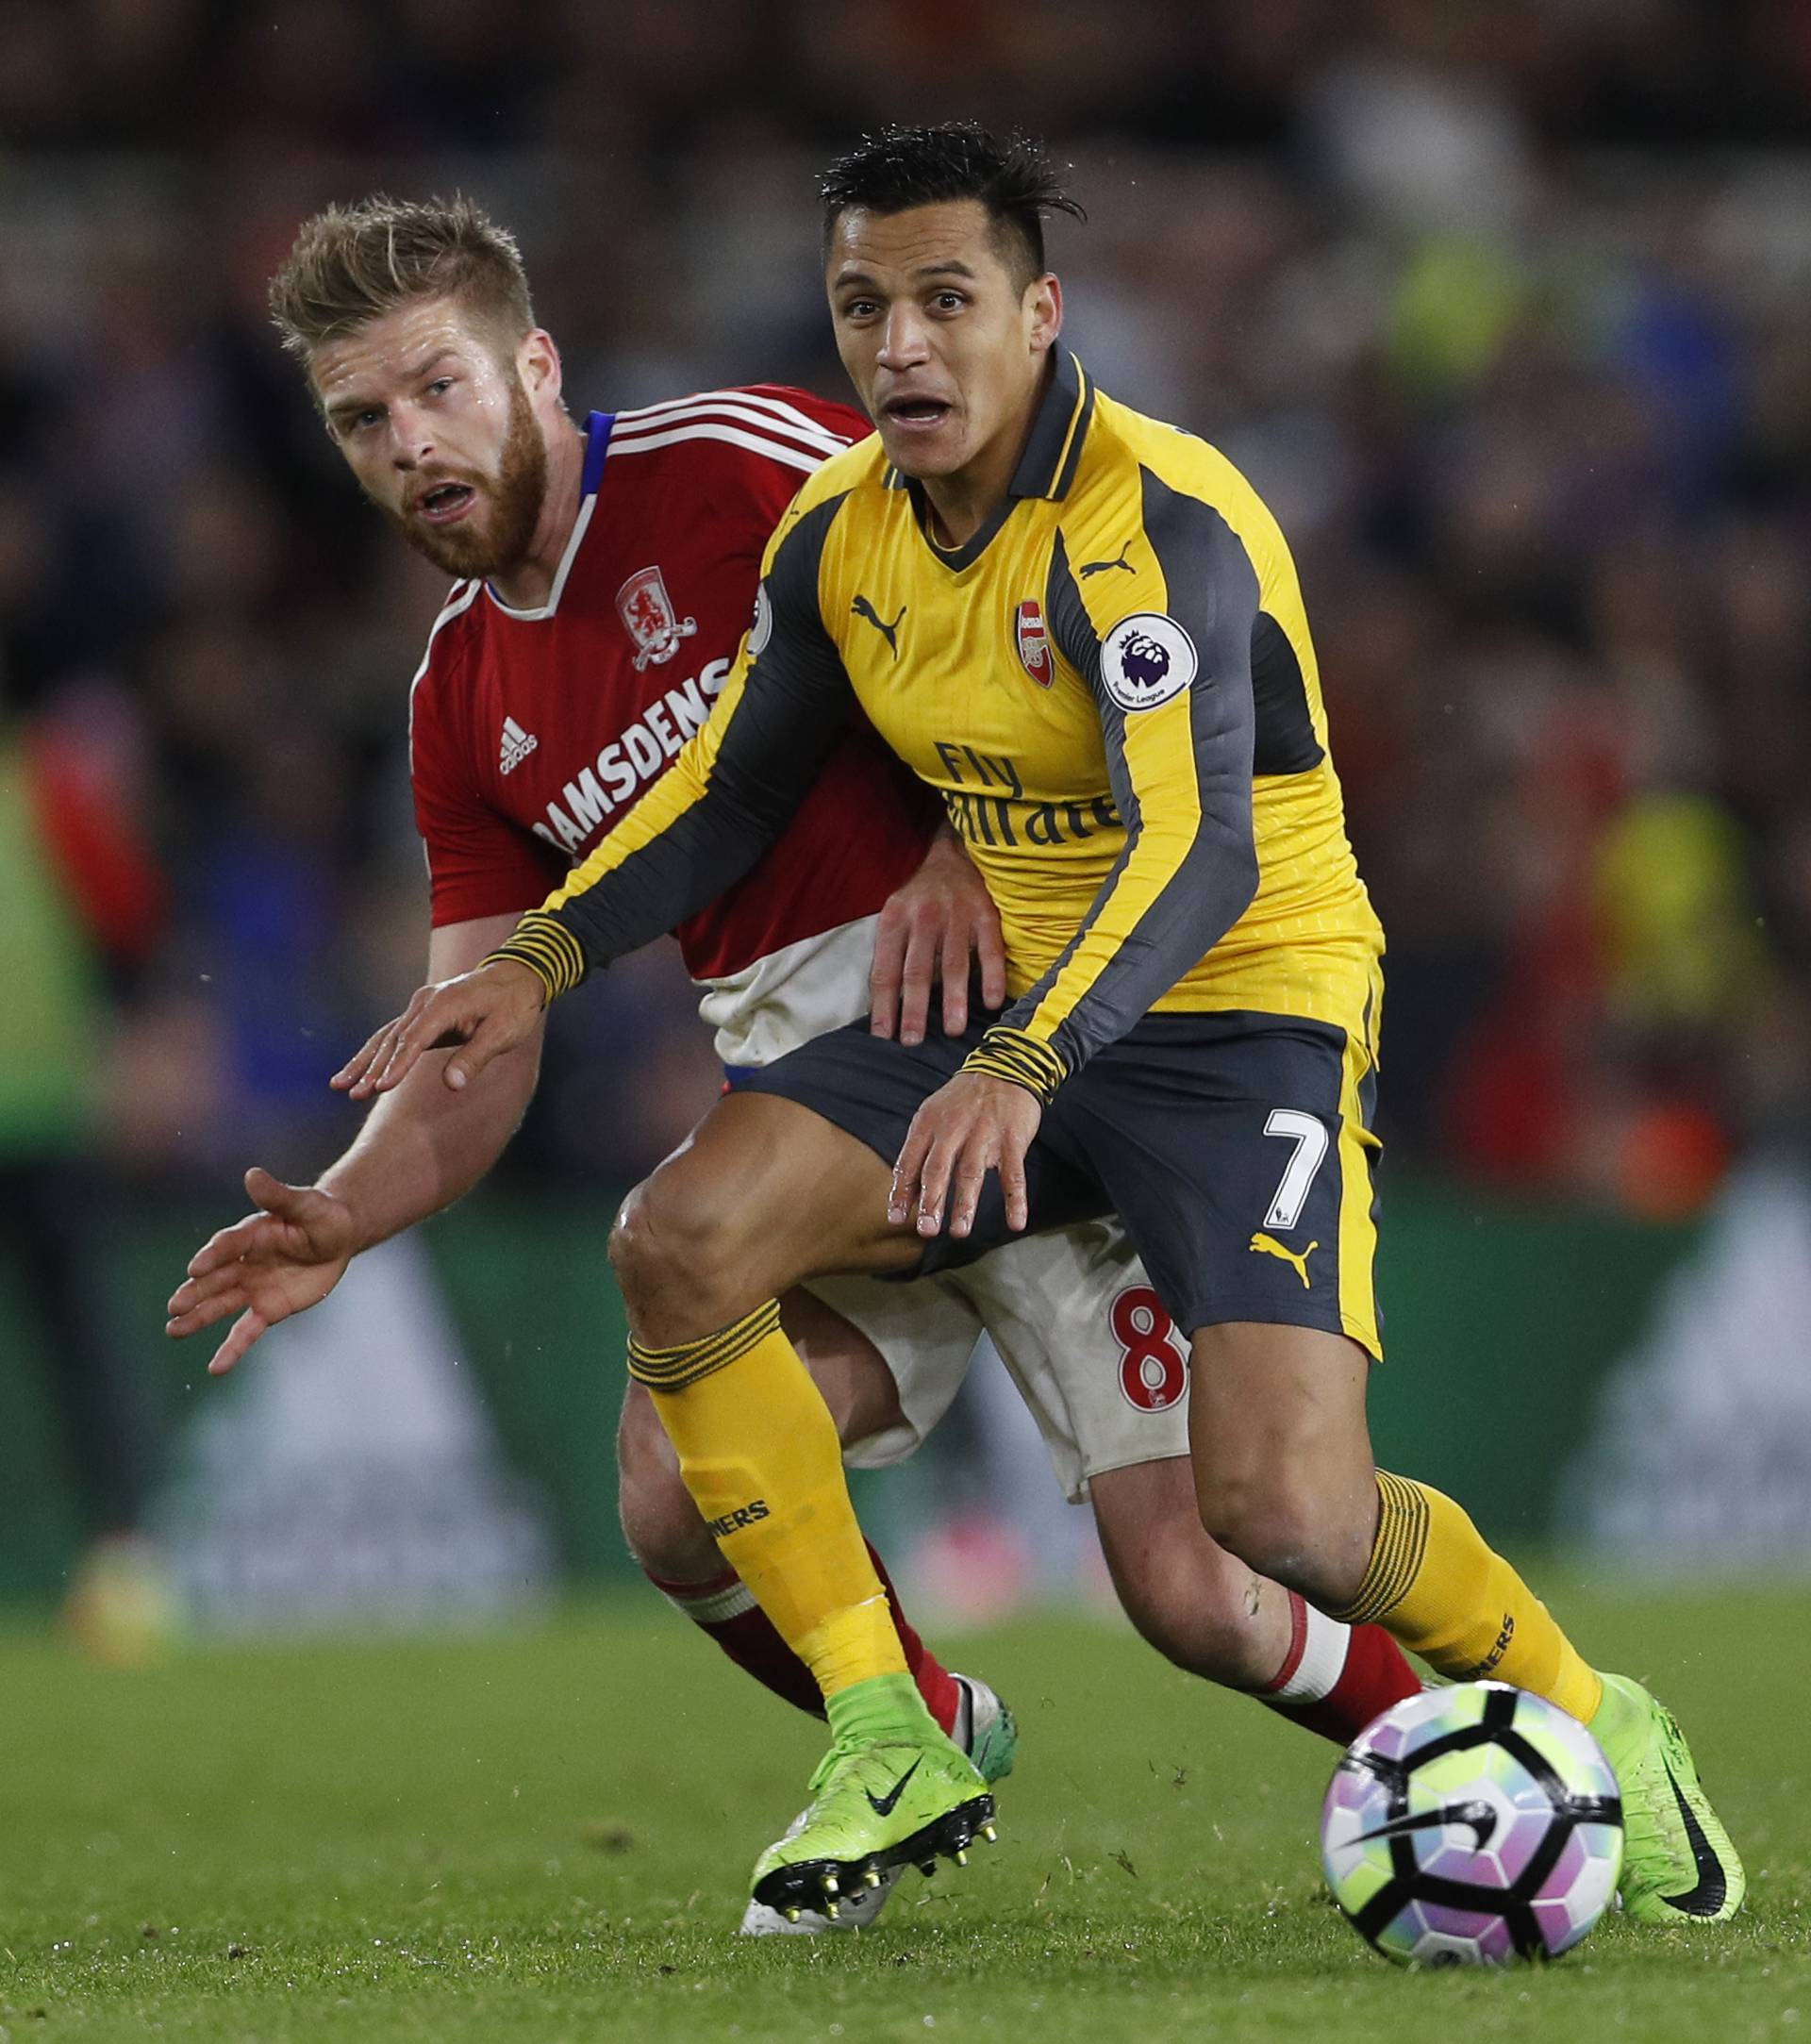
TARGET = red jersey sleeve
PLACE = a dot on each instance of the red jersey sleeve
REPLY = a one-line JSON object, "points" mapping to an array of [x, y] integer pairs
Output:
{"points": [[478, 863]]}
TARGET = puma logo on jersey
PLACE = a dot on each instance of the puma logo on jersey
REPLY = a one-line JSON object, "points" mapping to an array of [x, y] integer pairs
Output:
{"points": [[517, 744], [1100, 567], [861, 607], [1272, 1247]]}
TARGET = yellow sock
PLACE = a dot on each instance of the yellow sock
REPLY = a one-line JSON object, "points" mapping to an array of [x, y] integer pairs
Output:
{"points": [[760, 1454], [1435, 1585]]}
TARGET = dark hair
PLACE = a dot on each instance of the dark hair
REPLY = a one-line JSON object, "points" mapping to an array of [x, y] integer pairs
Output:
{"points": [[1011, 176]]}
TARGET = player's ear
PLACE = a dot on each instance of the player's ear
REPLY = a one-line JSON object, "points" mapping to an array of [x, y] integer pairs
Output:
{"points": [[1043, 304], [538, 364]]}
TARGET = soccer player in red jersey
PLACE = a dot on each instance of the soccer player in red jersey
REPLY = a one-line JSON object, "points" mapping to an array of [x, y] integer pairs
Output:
{"points": [[605, 572]]}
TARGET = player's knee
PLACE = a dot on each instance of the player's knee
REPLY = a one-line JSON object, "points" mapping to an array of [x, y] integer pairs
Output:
{"points": [[1187, 1599], [677, 1236], [1186, 1596], [1274, 1526], [660, 1523]]}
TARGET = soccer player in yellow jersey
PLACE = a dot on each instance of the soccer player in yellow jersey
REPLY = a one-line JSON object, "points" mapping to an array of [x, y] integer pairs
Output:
{"points": [[1084, 630]]}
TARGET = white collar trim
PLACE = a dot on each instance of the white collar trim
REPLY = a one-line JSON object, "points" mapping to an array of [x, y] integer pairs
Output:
{"points": [[565, 568]]}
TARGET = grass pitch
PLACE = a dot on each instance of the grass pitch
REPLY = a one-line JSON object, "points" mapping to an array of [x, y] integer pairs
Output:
{"points": [[545, 1836]]}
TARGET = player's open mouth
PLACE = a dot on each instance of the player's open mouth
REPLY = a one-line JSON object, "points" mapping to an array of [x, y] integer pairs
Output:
{"points": [[449, 500], [917, 414]]}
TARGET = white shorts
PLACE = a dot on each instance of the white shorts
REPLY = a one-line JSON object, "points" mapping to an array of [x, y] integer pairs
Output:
{"points": [[1095, 1357]]}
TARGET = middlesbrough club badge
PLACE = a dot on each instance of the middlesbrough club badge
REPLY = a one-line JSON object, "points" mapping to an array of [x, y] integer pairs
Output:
{"points": [[647, 612], [1034, 645]]}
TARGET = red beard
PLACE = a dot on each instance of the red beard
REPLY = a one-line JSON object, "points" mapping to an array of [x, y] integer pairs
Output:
{"points": [[500, 529]]}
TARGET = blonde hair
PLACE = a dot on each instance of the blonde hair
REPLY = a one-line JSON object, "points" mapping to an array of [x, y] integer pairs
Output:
{"points": [[355, 263]]}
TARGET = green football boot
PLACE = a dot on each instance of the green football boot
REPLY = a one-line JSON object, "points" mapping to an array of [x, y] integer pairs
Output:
{"points": [[1678, 1865], [875, 1806], [987, 1731]]}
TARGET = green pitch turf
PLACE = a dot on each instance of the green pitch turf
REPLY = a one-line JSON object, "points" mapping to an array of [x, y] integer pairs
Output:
{"points": [[544, 1836]]}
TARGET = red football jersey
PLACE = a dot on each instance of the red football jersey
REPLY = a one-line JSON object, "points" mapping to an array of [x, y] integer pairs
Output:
{"points": [[532, 731]]}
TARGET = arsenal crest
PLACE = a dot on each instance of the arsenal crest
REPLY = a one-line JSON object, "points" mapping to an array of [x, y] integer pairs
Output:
{"points": [[647, 611], [1034, 645]]}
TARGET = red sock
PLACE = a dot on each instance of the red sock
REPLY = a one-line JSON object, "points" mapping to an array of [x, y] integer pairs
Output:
{"points": [[1337, 1678], [935, 1685], [725, 1609]]}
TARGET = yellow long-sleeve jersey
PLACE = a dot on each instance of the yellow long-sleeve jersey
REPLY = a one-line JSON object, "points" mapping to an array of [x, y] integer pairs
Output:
{"points": [[1113, 688]]}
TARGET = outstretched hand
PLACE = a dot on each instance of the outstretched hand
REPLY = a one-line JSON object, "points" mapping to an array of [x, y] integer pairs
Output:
{"points": [[928, 930], [282, 1259], [975, 1124], [483, 1013]]}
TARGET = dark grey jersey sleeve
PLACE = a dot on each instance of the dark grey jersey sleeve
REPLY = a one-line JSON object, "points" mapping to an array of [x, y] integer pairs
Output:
{"points": [[1188, 868], [736, 783]]}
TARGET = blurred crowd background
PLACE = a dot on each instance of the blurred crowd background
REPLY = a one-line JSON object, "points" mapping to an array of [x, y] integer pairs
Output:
{"points": [[1504, 309]]}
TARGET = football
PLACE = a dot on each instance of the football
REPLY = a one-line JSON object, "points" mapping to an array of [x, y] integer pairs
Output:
{"points": [[1472, 1826]]}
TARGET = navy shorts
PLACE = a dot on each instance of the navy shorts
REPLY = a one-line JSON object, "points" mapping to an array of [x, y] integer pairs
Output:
{"points": [[1235, 1147]]}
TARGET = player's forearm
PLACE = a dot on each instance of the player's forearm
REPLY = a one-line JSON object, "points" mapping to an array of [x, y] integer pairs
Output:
{"points": [[1181, 776], [424, 1146], [675, 875], [700, 830], [732, 790], [1116, 972], [1172, 673]]}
